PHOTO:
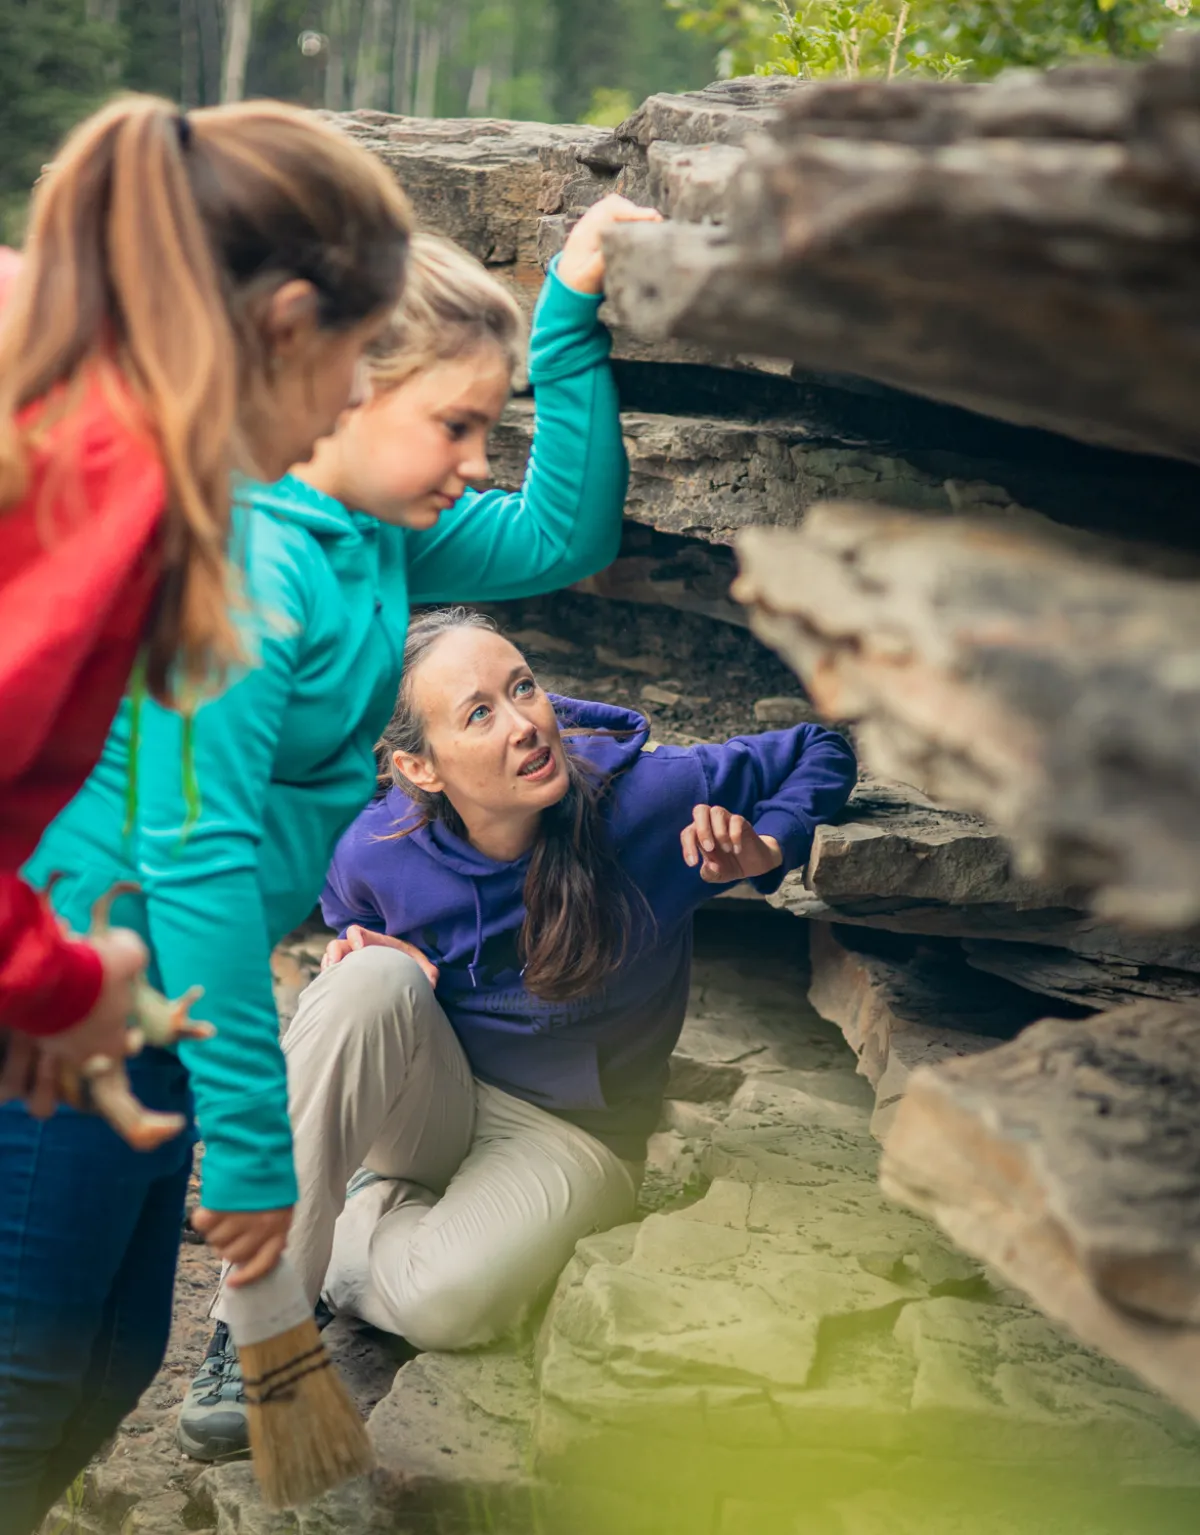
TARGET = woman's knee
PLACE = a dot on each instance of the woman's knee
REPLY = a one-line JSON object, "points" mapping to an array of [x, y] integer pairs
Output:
{"points": [[372, 989], [444, 1317], [380, 975]]}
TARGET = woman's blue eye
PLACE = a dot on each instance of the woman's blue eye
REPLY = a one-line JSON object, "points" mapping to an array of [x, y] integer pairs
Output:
{"points": [[457, 430], [523, 689], [478, 713]]}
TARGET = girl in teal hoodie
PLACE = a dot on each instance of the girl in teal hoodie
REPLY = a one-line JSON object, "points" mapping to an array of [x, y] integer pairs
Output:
{"points": [[227, 821]]}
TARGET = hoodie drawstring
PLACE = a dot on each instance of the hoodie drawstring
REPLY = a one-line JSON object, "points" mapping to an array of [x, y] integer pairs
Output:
{"points": [[190, 779], [474, 965]]}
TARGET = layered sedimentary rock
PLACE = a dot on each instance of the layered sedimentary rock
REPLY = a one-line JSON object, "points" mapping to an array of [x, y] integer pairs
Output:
{"points": [[766, 437], [1007, 675], [1070, 1159], [1026, 249], [874, 996]]}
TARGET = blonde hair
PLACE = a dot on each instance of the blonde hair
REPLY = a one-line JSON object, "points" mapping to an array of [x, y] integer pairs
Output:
{"points": [[153, 237], [451, 306]]}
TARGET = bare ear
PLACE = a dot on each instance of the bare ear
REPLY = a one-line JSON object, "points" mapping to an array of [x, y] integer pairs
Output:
{"points": [[290, 317], [419, 771]]}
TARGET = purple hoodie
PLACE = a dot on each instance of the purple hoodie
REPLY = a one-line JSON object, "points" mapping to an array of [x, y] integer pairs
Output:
{"points": [[599, 1061]]}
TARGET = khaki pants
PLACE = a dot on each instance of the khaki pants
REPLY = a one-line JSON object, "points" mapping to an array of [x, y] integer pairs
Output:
{"points": [[481, 1197]]}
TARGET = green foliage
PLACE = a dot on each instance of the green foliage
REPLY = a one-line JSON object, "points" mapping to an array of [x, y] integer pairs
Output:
{"points": [[620, 45], [55, 64], [68, 1523], [535, 59], [944, 38], [746, 32], [609, 107]]}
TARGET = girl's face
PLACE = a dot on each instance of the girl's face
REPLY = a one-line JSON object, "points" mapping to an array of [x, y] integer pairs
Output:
{"points": [[407, 455], [315, 374], [493, 742]]}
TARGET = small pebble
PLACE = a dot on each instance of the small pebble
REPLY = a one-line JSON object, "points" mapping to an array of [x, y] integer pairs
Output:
{"points": [[656, 695], [538, 639], [651, 666], [782, 711]]}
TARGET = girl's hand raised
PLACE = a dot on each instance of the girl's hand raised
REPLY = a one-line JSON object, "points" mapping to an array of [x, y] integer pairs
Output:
{"points": [[362, 938], [726, 847], [581, 265]]}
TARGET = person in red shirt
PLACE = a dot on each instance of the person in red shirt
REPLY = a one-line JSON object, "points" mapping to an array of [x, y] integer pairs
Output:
{"points": [[193, 300]]}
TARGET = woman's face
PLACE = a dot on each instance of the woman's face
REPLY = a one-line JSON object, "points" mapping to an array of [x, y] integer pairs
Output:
{"points": [[314, 375], [494, 747], [407, 455]]}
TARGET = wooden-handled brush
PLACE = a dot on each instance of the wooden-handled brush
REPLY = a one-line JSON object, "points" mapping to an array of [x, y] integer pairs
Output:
{"points": [[306, 1436]]}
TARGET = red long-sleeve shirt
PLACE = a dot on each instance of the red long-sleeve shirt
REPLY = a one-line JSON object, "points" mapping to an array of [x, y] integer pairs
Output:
{"points": [[78, 567]]}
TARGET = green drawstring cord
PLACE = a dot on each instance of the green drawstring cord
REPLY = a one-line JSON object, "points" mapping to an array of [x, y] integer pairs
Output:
{"points": [[137, 695], [191, 781]]}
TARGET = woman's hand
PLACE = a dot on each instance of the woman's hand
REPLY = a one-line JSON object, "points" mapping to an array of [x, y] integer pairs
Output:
{"points": [[581, 265], [253, 1240], [726, 847], [33, 1067], [363, 938]]}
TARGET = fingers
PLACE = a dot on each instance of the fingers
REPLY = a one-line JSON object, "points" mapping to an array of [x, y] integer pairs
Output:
{"points": [[615, 209], [365, 938], [720, 827], [428, 969], [253, 1240], [122, 952], [20, 1057], [245, 1248], [581, 265], [42, 1098], [335, 951], [259, 1266], [700, 840]]}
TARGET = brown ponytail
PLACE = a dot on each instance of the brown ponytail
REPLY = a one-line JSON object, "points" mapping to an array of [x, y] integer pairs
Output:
{"points": [[578, 902], [151, 238]]}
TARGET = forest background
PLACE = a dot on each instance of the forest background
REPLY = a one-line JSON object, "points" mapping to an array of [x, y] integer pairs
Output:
{"points": [[550, 60]]}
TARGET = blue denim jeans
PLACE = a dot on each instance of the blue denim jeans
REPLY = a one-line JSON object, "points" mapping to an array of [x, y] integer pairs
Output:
{"points": [[89, 1236]]}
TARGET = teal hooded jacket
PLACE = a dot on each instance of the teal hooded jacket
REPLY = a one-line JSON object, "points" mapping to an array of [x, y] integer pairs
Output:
{"points": [[283, 760]]}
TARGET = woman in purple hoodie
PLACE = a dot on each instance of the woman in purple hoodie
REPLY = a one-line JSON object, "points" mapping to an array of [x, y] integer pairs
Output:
{"points": [[485, 1052]]}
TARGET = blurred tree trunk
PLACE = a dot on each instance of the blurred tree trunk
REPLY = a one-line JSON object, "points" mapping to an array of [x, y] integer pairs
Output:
{"points": [[429, 52], [191, 92], [239, 24], [588, 53], [208, 28], [370, 78], [403, 38], [481, 90]]}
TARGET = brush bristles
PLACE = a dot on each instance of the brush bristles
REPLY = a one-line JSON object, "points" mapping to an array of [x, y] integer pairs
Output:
{"points": [[305, 1434]]}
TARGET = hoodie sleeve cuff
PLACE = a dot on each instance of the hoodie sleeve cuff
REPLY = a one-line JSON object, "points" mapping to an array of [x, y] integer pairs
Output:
{"points": [[567, 337], [795, 843]]}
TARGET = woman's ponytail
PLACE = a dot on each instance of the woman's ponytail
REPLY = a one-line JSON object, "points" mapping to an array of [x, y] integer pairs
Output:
{"points": [[152, 236], [119, 272]]}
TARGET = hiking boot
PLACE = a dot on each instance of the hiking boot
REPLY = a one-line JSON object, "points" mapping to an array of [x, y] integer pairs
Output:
{"points": [[212, 1421]]}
